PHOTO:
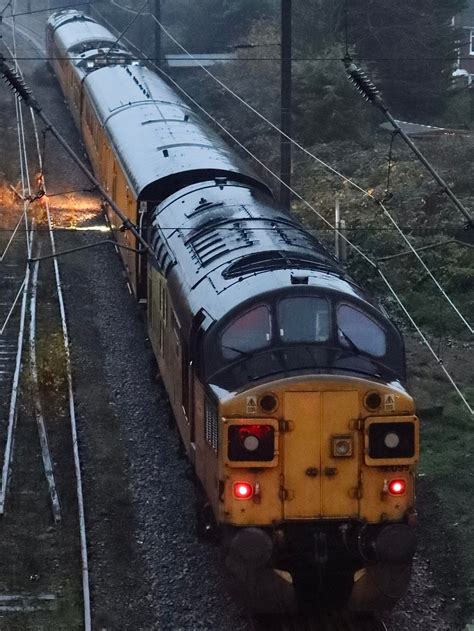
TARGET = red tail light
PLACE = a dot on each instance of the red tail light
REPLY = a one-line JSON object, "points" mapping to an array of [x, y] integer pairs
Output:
{"points": [[243, 490], [397, 487]]}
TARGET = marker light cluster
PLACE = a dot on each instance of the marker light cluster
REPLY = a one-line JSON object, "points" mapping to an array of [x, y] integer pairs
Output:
{"points": [[251, 443], [392, 440]]}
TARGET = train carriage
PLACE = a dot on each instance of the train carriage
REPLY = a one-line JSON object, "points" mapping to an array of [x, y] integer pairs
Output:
{"points": [[285, 378], [144, 143]]}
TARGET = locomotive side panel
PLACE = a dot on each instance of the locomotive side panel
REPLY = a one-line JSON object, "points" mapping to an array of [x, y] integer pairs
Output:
{"points": [[206, 436], [170, 350]]}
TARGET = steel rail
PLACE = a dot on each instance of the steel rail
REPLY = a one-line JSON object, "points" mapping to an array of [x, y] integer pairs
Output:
{"points": [[71, 405], [7, 456], [12, 413], [38, 408], [75, 446], [72, 410]]}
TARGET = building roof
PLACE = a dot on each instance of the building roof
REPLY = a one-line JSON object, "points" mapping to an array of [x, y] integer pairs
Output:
{"points": [[466, 17], [417, 130], [205, 59]]}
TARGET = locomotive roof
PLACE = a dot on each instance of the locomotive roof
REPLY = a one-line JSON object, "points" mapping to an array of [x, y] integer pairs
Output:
{"points": [[77, 30], [157, 137], [221, 244]]}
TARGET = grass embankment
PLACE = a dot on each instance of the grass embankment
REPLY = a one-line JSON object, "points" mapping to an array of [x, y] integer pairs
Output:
{"points": [[447, 488]]}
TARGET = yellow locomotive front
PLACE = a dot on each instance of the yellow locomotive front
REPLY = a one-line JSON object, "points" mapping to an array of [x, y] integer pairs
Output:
{"points": [[325, 469], [315, 473], [333, 447]]}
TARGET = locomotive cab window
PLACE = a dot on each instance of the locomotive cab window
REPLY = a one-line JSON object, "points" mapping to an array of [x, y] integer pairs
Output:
{"points": [[249, 332], [358, 331], [304, 319]]}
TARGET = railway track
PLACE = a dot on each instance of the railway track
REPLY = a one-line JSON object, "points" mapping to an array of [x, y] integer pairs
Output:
{"points": [[31, 298], [13, 278]]}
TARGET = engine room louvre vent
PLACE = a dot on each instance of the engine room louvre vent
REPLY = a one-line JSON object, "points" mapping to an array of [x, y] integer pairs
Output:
{"points": [[265, 261], [215, 242], [211, 424], [163, 256]]}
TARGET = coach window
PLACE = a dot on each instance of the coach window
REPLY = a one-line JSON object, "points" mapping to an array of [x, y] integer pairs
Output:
{"points": [[358, 329], [303, 319], [249, 332]]}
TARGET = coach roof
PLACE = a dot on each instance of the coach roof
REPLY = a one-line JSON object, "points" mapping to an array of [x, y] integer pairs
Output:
{"points": [[77, 32], [159, 140]]}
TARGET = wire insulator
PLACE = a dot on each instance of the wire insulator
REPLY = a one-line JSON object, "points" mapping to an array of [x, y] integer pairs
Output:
{"points": [[16, 83], [361, 81]]}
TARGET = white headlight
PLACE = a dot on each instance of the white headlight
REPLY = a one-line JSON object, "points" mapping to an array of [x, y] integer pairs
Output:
{"points": [[251, 443], [391, 440]]}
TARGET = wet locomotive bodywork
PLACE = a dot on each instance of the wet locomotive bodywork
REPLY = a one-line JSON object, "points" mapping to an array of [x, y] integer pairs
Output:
{"points": [[285, 378]]}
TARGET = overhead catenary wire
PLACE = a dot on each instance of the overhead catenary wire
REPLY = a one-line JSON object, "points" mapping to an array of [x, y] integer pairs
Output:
{"points": [[12, 236], [365, 257], [296, 59], [416, 231], [426, 268], [15, 14], [127, 9], [426, 342], [371, 93], [127, 27], [25, 173], [25, 184], [17, 83], [172, 57], [326, 166], [8, 4]]}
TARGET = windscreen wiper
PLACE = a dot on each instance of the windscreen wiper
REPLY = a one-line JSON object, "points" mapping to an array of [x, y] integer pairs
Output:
{"points": [[238, 350], [352, 345]]}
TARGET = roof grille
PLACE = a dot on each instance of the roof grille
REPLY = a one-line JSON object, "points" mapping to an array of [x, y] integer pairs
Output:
{"points": [[271, 260], [216, 240]]}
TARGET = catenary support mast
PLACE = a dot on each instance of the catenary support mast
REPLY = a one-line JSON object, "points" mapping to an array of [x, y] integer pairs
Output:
{"points": [[157, 11], [285, 145]]}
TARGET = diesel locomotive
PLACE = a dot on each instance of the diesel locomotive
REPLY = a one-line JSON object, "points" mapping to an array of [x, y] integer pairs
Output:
{"points": [[285, 378]]}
